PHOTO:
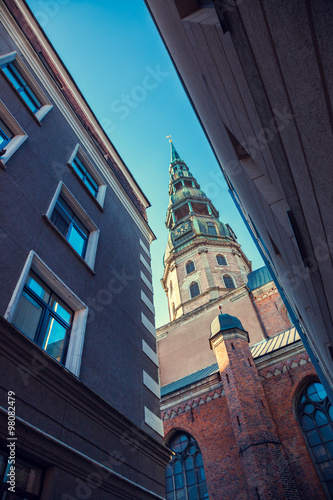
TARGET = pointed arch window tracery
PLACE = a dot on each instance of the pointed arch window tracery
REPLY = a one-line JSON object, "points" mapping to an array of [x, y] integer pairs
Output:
{"points": [[185, 475], [315, 417]]}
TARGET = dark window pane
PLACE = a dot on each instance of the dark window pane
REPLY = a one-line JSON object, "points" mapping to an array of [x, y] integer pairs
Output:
{"points": [[80, 226], [180, 495], [177, 468], [326, 433], [22, 87], [29, 101], [38, 286], [326, 469], [211, 228], [61, 309], [320, 453], [221, 260], [189, 464], [170, 496], [307, 423], [329, 446], [54, 339], [168, 484], [192, 449], [190, 477], [179, 481], [85, 175], [194, 290], [65, 207], [308, 408], [77, 241], [192, 492], [313, 437], [11, 76], [320, 418], [27, 315], [60, 220], [190, 267], [70, 226], [228, 281], [180, 442], [316, 392]]}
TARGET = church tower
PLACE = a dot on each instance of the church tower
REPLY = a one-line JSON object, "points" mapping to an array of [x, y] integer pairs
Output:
{"points": [[203, 260]]}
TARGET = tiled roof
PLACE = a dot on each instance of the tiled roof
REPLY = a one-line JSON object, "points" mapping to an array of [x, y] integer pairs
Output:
{"points": [[273, 344], [189, 379], [258, 278], [264, 347]]}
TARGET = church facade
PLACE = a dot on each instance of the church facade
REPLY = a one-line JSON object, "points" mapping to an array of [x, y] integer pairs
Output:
{"points": [[242, 407]]}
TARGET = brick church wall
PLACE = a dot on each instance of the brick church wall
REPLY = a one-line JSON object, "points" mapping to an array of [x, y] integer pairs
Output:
{"points": [[207, 419], [272, 311], [209, 423], [281, 390]]}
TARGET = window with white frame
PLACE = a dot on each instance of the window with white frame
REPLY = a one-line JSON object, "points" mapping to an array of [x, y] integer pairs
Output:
{"points": [[49, 313], [20, 78], [221, 260], [194, 289], [11, 134], [190, 267], [228, 281], [74, 224], [88, 174]]}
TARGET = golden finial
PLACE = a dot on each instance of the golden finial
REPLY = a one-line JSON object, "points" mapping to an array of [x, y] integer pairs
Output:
{"points": [[169, 137]]}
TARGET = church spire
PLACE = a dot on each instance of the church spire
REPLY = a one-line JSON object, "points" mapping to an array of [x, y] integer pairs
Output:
{"points": [[174, 155], [195, 231]]}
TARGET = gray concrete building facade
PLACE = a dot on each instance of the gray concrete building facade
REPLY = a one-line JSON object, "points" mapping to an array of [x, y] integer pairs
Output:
{"points": [[258, 75], [78, 356]]}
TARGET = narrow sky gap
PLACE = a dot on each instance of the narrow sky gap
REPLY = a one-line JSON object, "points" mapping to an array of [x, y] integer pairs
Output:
{"points": [[115, 55]]}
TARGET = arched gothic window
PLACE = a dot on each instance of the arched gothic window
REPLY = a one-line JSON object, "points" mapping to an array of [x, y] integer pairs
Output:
{"points": [[228, 281], [221, 260], [185, 476], [194, 289], [211, 228], [190, 267], [315, 416]]}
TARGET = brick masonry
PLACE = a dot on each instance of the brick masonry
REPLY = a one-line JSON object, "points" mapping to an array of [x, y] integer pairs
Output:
{"points": [[208, 419], [272, 311]]}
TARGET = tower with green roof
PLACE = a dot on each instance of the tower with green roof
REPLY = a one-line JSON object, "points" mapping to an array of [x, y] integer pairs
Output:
{"points": [[203, 260]]}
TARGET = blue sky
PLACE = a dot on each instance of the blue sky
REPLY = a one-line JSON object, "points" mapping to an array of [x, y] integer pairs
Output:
{"points": [[114, 53]]}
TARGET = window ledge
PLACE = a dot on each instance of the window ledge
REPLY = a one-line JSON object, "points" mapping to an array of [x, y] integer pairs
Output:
{"points": [[50, 223], [86, 189]]}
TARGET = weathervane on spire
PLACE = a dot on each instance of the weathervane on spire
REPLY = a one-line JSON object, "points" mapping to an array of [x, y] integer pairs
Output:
{"points": [[169, 137]]}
